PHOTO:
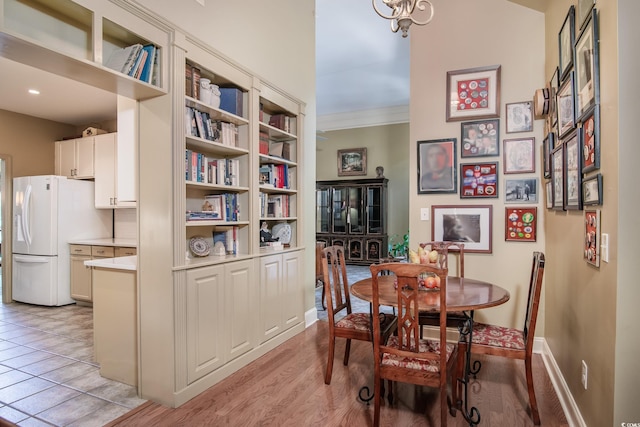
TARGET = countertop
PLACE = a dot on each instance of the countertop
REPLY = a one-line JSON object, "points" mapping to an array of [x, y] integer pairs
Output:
{"points": [[119, 263], [126, 243]]}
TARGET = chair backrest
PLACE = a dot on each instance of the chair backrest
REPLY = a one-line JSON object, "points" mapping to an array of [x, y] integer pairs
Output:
{"points": [[336, 284], [319, 272], [444, 248], [533, 302], [410, 299]]}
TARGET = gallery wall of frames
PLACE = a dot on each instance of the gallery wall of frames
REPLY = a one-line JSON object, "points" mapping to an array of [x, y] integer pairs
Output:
{"points": [[570, 107]]}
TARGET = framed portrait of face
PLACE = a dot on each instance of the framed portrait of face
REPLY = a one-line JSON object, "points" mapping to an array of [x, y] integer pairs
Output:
{"points": [[437, 166], [519, 117], [519, 155]]}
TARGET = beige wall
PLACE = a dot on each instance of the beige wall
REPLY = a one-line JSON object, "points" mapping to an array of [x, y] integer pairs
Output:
{"points": [[30, 142], [387, 146], [501, 33]]}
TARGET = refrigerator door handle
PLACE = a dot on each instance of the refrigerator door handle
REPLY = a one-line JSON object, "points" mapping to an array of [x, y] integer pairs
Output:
{"points": [[31, 259], [26, 215]]}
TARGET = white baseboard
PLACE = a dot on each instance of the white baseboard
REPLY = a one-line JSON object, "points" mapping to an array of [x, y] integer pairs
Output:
{"points": [[310, 317], [569, 406]]}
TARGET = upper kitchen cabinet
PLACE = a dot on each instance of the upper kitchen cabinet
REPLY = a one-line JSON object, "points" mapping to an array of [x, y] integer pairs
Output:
{"points": [[111, 49], [74, 158]]}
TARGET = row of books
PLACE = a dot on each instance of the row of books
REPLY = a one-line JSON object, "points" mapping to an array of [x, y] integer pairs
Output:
{"points": [[192, 81], [137, 61], [200, 168], [200, 124], [226, 205], [228, 237], [277, 176], [274, 205]]}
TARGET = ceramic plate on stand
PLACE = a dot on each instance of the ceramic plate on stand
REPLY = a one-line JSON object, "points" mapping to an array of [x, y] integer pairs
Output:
{"points": [[283, 232], [199, 246]]}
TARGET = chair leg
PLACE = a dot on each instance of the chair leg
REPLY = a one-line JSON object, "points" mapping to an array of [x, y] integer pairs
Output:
{"points": [[347, 350], [329, 371], [443, 405], [462, 353], [532, 394], [377, 400]]}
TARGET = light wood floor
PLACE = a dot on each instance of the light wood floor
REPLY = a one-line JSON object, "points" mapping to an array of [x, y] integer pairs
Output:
{"points": [[286, 388]]}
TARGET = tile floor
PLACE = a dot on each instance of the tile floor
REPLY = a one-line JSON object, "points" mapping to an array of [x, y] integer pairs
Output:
{"points": [[48, 375]]}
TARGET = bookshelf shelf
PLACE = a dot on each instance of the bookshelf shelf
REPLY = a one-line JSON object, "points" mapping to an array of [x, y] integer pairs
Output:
{"points": [[209, 223], [265, 159], [216, 187], [276, 134], [273, 190], [216, 113]]}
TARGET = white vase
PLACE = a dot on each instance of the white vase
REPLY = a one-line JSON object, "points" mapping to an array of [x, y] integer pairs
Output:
{"points": [[205, 91], [215, 96]]}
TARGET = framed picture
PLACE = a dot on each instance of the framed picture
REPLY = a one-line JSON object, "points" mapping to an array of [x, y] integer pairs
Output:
{"points": [[473, 93], [566, 104], [521, 190], [478, 180], [554, 84], [573, 173], [519, 155], [547, 148], [591, 236], [480, 138], [592, 190], [591, 140], [584, 10], [437, 166], [468, 224], [566, 40], [549, 195], [352, 162], [519, 117], [557, 176], [587, 66], [520, 224]]}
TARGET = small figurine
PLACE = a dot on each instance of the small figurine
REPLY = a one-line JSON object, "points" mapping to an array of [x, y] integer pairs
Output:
{"points": [[379, 172], [265, 235]]}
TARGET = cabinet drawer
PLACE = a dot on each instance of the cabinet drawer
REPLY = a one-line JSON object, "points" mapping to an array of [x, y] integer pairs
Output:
{"points": [[102, 251], [80, 250], [120, 251]]}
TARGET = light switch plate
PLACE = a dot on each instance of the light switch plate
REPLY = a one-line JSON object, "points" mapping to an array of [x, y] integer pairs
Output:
{"points": [[604, 247], [424, 214]]}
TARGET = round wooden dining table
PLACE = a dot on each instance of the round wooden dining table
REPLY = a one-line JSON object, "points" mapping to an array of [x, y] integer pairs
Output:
{"points": [[463, 294]]}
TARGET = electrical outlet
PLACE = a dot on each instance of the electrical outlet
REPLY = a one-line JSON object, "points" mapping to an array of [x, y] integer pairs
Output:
{"points": [[584, 374], [424, 214]]}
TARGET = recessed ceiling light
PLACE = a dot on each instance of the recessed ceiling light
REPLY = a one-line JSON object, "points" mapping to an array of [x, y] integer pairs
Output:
{"points": [[34, 92]]}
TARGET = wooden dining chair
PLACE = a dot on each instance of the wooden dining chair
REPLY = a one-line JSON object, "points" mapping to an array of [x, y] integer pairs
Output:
{"points": [[406, 357], [510, 342], [319, 272], [343, 322], [456, 318]]}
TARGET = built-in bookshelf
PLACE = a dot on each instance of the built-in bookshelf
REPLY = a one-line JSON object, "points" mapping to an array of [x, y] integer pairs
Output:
{"points": [[278, 171], [71, 40]]}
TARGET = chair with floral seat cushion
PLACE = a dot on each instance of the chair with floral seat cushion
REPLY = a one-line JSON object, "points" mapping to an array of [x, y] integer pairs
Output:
{"points": [[444, 249], [511, 342], [343, 323], [406, 357]]}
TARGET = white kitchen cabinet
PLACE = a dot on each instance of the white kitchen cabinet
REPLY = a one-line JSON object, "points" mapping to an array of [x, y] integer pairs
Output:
{"points": [[221, 316], [280, 293], [108, 183], [74, 158], [80, 275]]}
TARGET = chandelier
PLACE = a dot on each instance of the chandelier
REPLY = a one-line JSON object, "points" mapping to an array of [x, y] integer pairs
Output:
{"points": [[401, 13]]}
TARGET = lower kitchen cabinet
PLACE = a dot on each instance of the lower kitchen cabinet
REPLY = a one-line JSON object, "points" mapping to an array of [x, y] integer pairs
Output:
{"points": [[281, 305], [221, 316]]}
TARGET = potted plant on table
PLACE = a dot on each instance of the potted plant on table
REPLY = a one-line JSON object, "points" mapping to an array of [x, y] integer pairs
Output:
{"points": [[400, 248]]}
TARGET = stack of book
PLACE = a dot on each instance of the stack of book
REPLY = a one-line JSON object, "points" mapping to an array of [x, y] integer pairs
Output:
{"points": [[137, 61], [274, 175], [274, 205]]}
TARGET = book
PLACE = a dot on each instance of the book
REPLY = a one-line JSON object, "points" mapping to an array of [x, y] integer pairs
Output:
{"points": [[122, 59], [155, 69], [139, 58], [264, 143], [145, 75], [195, 82], [231, 100]]}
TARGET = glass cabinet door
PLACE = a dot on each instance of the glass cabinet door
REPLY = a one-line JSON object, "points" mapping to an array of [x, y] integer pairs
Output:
{"points": [[340, 198], [355, 217], [323, 210], [374, 210]]}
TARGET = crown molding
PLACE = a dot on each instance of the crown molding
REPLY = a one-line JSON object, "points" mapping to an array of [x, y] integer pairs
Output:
{"points": [[363, 118]]}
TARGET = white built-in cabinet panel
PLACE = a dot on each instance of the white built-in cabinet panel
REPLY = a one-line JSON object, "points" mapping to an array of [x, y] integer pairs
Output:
{"points": [[80, 275], [280, 293], [127, 153], [221, 316], [241, 303], [107, 152], [75, 158]]}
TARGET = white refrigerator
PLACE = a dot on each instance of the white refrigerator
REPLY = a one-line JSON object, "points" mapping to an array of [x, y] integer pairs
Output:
{"points": [[48, 212]]}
